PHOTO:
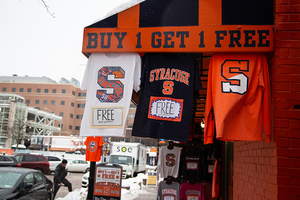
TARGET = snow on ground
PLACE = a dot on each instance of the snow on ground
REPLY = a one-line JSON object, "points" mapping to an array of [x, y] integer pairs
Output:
{"points": [[134, 186], [78, 194]]}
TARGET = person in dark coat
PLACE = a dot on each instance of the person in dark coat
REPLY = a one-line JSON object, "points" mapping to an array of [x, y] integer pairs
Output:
{"points": [[59, 177]]}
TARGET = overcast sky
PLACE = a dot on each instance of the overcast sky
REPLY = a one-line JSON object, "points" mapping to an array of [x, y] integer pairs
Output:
{"points": [[34, 43]]}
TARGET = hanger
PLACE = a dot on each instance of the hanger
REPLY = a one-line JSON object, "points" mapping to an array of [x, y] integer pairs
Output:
{"points": [[192, 146], [169, 180], [171, 145], [192, 182]]}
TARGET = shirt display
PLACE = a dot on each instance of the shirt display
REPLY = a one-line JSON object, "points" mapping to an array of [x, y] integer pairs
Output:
{"points": [[93, 148], [191, 191], [168, 162], [165, 101], [192, 164], [168, 191], [238, 101], [109, 79]]}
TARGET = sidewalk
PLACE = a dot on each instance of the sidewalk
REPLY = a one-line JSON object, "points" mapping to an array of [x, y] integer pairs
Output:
{"points": [[149, 187], [150, 193], [138, 188]]}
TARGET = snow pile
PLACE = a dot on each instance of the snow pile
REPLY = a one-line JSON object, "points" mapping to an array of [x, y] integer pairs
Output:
{"points": [[134, 186], [131, 188], [78, 194]]}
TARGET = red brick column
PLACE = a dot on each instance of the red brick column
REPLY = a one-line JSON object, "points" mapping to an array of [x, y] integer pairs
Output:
{"points": [[255, 171], [272, 170], [285, 71]]}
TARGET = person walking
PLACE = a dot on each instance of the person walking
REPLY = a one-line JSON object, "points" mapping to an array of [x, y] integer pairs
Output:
{"points": [[59, 177]]}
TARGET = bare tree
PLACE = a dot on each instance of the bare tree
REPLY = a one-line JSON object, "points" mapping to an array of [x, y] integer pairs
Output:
{"points": [[43, 3], [47, 8], [16, 127]]}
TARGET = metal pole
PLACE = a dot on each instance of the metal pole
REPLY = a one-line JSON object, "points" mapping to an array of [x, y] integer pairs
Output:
{"points": [[91, 181]]}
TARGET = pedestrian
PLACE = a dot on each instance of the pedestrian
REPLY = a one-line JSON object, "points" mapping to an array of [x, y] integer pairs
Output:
{"points": [[59, 177]]}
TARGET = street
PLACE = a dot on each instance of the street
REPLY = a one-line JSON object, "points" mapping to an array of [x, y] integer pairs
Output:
{"points": [[74, 178]]}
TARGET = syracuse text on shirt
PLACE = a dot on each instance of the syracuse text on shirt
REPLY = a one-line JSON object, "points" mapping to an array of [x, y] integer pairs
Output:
{"points": [[169, 191]]}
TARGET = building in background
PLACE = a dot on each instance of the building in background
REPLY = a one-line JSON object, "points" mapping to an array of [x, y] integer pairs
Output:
{"points": [[64, 99], [19, 122]]}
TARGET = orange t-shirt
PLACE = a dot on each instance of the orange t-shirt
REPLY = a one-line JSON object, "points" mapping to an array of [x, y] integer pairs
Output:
{"points": [[238, 101], [216, 180], [93, 148]]}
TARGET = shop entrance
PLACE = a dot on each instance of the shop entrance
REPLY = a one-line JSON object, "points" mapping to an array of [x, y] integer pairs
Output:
{"points": [[220, 150], [203, 28]]}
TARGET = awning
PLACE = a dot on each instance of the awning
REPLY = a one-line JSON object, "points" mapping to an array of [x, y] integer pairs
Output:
{"points": [[207, 27]]}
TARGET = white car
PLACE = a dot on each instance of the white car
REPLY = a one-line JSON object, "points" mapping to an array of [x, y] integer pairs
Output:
{"points": [[78, 166], [53, 161], [85, 180]]}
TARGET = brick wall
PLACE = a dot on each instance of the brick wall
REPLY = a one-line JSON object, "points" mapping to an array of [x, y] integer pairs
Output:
{"points": [[285, 78], [272, 170], [254, 171]]}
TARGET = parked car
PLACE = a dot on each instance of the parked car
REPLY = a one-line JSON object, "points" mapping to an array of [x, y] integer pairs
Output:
{"points": [[77, 152], [9, 161], [78, 166], [21, 183], [53, 161], [85, 180], [32, 161]]}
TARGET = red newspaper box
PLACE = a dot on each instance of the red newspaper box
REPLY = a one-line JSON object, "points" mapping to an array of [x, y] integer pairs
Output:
{"points": [[108, 182]]}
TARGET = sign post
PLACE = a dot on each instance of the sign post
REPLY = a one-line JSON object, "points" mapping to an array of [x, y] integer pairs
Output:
{"points": [[108, 182], [91, 180]]}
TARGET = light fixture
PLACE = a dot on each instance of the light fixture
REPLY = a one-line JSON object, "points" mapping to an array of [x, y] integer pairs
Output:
{"points": [[48, 109], [202, 124]]}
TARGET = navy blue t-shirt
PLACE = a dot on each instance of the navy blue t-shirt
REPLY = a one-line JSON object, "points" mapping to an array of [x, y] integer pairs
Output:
{"points": [[168, 83]]}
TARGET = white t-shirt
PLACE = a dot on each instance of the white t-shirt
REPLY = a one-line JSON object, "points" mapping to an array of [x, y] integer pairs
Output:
{"points": [[109, 79], [168, 162]]}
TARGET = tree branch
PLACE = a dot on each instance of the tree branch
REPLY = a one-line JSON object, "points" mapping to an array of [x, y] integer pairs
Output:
{"points": [[47, 8]]}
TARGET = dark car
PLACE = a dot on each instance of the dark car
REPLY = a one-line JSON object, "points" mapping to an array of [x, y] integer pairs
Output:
{"points": [[9, 161], [24, 184], [32, 161]]}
